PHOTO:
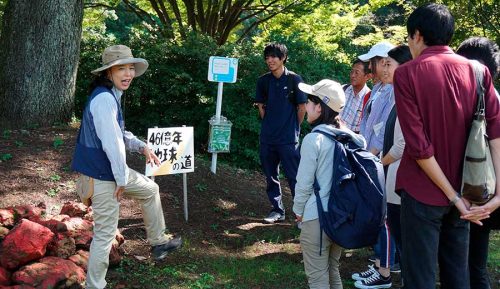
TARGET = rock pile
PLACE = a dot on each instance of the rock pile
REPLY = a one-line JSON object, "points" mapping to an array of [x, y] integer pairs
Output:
{"points": [[42, 251]]}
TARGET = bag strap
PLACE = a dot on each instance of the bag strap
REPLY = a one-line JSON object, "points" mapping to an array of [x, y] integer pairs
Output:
{"points": [[479, 76], [292, 80]]}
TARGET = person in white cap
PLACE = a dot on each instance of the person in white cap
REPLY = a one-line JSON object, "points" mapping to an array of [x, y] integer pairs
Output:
{"points": [[380, 104], [373, 125], [104, 175], [325, 101]]}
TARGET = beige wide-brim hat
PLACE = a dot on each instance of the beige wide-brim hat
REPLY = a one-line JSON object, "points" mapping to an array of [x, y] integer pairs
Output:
{"points": [[119, 55], [329, 91]]}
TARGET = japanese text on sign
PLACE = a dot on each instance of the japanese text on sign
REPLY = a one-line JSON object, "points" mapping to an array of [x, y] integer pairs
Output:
{"points": [[174, 147]]}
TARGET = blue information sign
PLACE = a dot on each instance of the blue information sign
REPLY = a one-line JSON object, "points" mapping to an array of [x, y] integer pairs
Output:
{"points": [[222, 69]]}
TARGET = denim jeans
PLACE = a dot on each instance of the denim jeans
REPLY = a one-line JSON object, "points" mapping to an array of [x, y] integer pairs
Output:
{"points": [[270, 158], [432, 235], [478, 256]]}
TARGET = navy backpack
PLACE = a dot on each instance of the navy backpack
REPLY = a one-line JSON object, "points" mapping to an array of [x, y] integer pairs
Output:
{"points": [[357, 203]]}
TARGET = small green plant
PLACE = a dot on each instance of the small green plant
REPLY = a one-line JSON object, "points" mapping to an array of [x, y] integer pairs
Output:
{"points": [[201, 187], [55, 178], [5, 157], [6, 133], [214, 226], [205, 281], [18, 143], [57, 142], [52, 192]]}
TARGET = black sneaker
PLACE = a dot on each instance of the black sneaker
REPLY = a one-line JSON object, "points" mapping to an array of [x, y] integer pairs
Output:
{"points": [[274, 217], [396, 268], [161, 251], [364, 274], [375, 281]]}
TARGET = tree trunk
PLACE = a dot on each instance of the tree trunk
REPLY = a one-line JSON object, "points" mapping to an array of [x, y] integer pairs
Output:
{"points": [[39, 48]]}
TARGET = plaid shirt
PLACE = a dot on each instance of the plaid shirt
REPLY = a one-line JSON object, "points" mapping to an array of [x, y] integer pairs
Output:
{"points": [[351, 114]]}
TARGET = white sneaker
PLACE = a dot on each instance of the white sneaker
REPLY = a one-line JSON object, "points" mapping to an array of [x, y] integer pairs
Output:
{"points": [[274, 217], [364, 274]]}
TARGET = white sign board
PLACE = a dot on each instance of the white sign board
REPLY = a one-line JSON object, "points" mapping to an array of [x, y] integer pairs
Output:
{"points": [[174, 146], [222, 69]]}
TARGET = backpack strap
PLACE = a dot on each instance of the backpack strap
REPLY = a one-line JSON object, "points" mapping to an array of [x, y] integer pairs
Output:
{"points": [[316, 187], [479, 76]]}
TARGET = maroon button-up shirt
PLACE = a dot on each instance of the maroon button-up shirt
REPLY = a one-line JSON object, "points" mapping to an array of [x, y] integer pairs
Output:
{"points": [[435, 101]]}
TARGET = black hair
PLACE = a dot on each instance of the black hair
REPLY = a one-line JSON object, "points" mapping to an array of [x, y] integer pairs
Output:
{"points": [[327, 116], [483, 50], [277, 50], [434, 22], [100, 80], [400, 53], [366, 65]]}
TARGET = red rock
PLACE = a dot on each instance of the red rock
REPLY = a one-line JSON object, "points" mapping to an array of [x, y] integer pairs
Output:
{"points": [[119, 237], [82, 231], [3, 232], [115, 256], [54, 225], [29, 212], [4, 276], [60, 218], [81, 258], [26, 242], [74, 209], [63, 246], [7, 217], [17, 287], [50, 272]]}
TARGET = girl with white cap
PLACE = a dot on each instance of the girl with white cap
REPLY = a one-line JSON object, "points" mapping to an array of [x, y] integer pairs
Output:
{"points": [[101, 161]]}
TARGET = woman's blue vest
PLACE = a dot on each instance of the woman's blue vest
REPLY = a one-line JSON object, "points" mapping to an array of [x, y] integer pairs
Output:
{"points": [[89, 157]]}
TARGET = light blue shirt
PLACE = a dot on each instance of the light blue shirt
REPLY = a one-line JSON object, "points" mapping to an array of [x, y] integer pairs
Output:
{"points": [[374, 129]]}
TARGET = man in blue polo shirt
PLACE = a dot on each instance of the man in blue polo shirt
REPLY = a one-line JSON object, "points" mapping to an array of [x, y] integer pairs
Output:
{"points": [[282, 108]]}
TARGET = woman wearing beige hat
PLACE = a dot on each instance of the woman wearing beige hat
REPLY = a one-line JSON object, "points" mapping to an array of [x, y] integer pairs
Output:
{"points": [[325, 100], [101, 161]]}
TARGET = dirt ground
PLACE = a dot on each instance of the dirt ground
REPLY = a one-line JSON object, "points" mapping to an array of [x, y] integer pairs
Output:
{"points": [[35, 167]]}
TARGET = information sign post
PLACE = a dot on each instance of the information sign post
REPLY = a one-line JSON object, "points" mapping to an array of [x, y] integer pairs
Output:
{"points": [[220, 69]]}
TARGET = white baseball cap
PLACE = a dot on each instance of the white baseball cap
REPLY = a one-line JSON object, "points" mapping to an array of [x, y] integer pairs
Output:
{"points": [[329, 91], [379, 49]]}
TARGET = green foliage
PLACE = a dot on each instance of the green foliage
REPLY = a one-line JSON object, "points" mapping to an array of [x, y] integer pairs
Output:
{"points": [[6, 133], [55, 178], [57, 142], [52, 192], [5, 157]]}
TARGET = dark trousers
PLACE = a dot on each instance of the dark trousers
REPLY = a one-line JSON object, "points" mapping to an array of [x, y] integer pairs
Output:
{"points": [[394, 222], [270, 158], [478, 256], [432, 235]]}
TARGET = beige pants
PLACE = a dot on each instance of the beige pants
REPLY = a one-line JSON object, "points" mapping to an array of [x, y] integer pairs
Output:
{"points": [[322, 271], [106, 214]]}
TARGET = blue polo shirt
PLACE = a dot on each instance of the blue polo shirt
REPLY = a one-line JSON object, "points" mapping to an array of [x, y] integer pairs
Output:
{"points": [[280, 124]]}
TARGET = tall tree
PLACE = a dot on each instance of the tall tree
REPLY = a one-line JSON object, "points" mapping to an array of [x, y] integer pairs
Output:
{"points": [[216, 18], [40, 46]]}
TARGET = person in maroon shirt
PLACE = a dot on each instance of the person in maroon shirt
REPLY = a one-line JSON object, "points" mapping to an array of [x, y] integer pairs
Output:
{"points": [[435, 100]]}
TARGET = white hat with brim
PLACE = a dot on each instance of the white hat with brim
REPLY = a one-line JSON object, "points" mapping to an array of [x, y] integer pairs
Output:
{"points": [[329, 91], [379, 49], [120, 55]]}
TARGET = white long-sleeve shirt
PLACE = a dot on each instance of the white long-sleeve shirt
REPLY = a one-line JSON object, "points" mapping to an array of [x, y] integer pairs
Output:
{"points": [[104, 112]]}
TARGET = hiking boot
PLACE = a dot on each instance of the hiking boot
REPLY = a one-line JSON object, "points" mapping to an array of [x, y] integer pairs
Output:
{"points": [[161, 251], [375, 281], [274, 217], [396, 268], [359, 276]]}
